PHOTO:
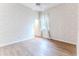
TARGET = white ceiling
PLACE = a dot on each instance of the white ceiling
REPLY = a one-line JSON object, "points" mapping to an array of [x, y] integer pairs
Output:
{"points": [[42, 7]]}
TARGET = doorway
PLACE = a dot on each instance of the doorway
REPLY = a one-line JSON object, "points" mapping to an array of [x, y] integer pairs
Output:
{"points": [[41, 25]]}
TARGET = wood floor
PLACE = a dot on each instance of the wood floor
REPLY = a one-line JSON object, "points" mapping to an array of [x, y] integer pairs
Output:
{"points": [[39, 47]]}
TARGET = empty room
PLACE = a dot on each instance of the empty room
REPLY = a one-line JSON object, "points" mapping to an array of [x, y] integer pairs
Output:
{"points": [[38, 29]]}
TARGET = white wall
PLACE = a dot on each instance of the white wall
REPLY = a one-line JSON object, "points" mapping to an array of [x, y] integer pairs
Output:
{"points": [[78, 34], [16, 23], [63, 22]]}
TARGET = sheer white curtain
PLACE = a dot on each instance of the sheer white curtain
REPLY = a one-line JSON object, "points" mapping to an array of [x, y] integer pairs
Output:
{"points": [[44, 24]]}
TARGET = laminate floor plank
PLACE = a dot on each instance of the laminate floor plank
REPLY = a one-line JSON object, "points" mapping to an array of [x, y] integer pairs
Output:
{"points": [[39, 47]]}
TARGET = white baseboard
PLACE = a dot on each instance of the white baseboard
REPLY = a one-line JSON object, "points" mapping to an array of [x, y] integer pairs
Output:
{"points": [[13, 42], [64, 41]]}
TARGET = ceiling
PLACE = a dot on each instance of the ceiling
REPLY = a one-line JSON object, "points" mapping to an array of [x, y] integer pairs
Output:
{"points": [[41, 7]]}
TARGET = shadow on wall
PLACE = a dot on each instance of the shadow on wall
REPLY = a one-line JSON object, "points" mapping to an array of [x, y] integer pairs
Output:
{"points": [[16, 23]]}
